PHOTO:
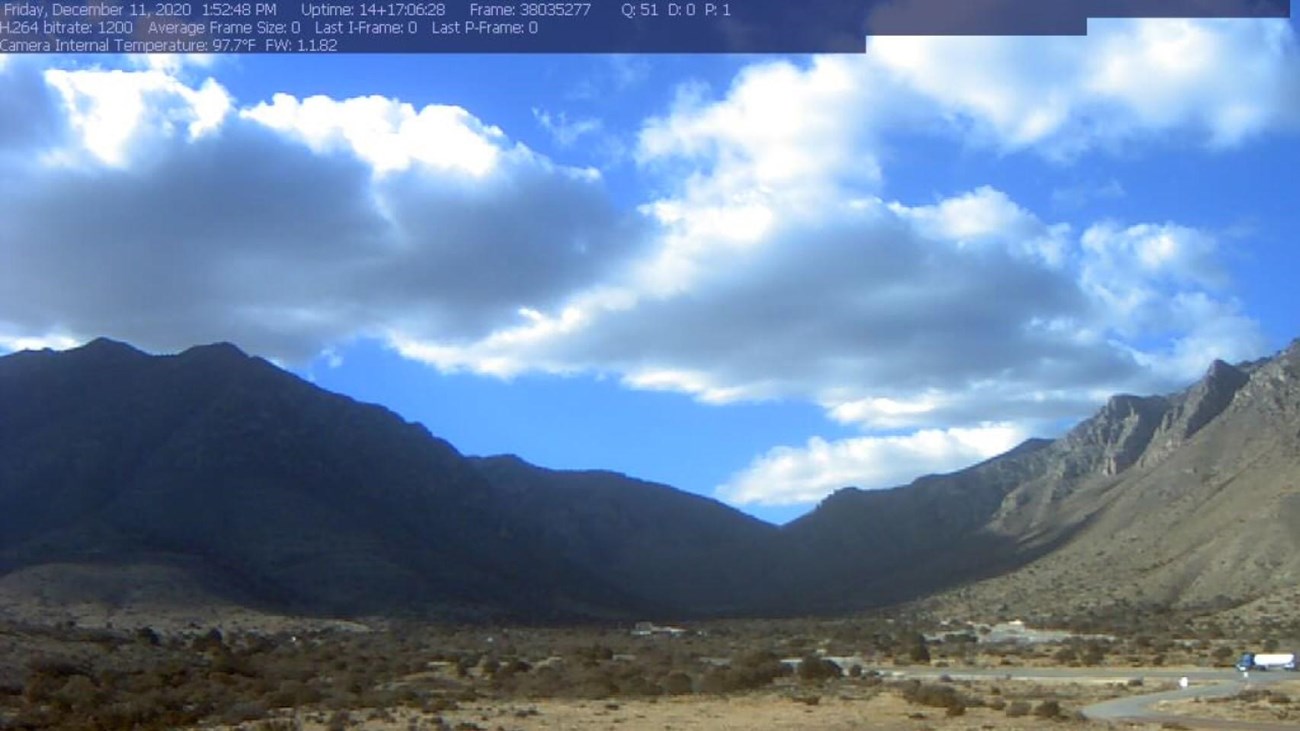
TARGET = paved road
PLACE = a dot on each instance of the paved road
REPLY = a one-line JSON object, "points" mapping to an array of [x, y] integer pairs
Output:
{"points": [[1140, 708], [1207, 683]]}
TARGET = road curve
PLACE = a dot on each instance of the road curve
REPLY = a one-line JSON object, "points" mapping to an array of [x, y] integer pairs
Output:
{"points": [[1213, 683], [1140, 708]]}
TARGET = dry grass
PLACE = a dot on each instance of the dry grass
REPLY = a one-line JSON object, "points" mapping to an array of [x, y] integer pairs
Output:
{"points": [[841, 706]]}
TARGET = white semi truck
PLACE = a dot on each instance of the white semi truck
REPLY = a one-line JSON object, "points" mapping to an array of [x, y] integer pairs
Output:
{"points": [[1266, 661]]}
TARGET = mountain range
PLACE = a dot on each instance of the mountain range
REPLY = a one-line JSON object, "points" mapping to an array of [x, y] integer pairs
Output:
{"points": [[261, 489]]}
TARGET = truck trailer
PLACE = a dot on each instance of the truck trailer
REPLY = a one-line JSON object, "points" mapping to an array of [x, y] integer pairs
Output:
{"points": [[1267, 661]]}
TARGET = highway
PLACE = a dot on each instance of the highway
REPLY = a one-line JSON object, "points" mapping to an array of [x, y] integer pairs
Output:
{"points": [[1204, 683]]}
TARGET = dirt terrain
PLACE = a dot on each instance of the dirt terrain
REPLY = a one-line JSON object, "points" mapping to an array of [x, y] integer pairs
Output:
{"points": [[842, 709], [868, 672], [1276, 703], [844, 704]]}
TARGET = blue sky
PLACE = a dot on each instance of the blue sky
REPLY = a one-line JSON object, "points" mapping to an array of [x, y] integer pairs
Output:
{"points": [[755, 278]]}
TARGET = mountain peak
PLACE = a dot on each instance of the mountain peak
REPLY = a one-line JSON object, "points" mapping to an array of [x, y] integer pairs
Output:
{"points": [[102, 348], [221, 349], [1220, 369]]}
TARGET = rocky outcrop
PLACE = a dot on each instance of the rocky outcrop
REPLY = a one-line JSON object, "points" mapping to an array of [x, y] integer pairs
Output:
{"points": [[1191, 410], [1115, 438]]}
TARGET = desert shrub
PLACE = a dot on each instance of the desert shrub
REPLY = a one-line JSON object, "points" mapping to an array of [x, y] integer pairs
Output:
{"points": [[464, 663], [813, 668], [339, 721], [43, 681], [594, 683], [241, 712], [1048, 709], [676, 683], [79, 693], [1093, 654], [1261, 695], [231, 664], [544, 682], [594, 654], [513, 667], [917, 650], [717, 681], [212, 641], [934, 695], [1016, 709], [636, 683], [757, 670], [292, 694]]}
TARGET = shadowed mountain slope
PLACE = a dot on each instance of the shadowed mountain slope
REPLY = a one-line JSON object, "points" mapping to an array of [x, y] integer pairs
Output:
{"points": [[1189, 499], [1206, 515], [268, 491], [696, 555], [271, 487]]}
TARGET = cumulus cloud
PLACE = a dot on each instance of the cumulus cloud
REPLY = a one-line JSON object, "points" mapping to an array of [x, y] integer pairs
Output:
{"points": [[390, 135], [779, 125], [167, 216], [799, 475], [1221, 81], [890, 316], [563, 130], [27, 129], [113, 113]]}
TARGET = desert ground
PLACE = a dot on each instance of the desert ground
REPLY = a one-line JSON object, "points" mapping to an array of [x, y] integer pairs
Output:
{"points": [[882, 671]]}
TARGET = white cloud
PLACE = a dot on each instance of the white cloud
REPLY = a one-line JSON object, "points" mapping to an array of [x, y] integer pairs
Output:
{"points": [[112, 111], [563, 130], [988, 217], [10, 343], [882, 412], [1145, 251], [615, 74], [1230, 77], [1164, 280], [172, 217], [1222, 80], [890, 316], [388, 134], [1207, 329], [800, 475], [779, 125]]}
